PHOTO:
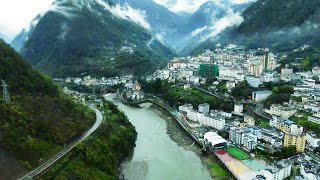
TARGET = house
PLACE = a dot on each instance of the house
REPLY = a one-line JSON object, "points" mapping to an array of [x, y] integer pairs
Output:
{"points": [[313, 140], [315, 118], [278, 171], [285, 111], [260, 95], [253, 81], [310, 170]]}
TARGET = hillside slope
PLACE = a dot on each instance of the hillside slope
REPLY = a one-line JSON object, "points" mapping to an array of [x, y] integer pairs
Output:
{"points": [[94, 37], [281, 25], [39, 120]]}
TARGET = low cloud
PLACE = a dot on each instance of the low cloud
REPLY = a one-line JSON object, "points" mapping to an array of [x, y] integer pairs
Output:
{"points": [[127, 12], [191, 6], [231, 19], [198, 31]]}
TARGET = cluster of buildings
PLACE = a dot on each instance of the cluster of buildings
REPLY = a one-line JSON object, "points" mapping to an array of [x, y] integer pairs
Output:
{"points": [[278, 171], [246, 137], [203, 116], [92, 81], [286, 110], [232, 64], [310, 169], [293, 133]]}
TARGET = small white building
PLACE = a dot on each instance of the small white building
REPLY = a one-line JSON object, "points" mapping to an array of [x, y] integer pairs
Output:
{"points": [[216, 121], [310, 170], [278, 171], [312, 139], [315, 118], [253, 81], [238, 108], [260, 95], [204, 108], [281, 110]]}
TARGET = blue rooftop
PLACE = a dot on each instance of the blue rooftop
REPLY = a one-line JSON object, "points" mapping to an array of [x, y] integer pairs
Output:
{"points": [[288, 121]]}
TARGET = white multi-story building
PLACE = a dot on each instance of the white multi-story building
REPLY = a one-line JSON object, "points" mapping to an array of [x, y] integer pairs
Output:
{"points": [[312, 106], [312, 139], [247, 136], [253, 81], [282, 111], [204, 108], [217, 121], [231, 72], [272, 136], [238, 108], [255, 69], [260, 95], [286, 74], [88, 81], [316, 71], [310, 170], [286, 125], [278, 171], [315, 118], [269, 76]]}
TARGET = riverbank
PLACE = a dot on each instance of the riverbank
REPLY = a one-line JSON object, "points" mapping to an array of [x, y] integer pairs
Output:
{"points": [[182, 138]]}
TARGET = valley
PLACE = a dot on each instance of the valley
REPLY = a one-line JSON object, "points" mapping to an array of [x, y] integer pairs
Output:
{"points": [[160, 89]]}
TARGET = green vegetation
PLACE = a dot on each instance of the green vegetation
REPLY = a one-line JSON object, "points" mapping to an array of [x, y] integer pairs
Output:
{"points": [[276, 14], [218, 171], [262, 123], [280, 94], [176, 95], [99, 157], [222, 87], [242, 90], [237, 153], [39, 120], [303, 121], [96, 42], [285, 153], [280, 25], [309, 58]]}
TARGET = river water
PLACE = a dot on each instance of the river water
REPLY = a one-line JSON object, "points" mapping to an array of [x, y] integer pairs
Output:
{"points": [[156, 156]]}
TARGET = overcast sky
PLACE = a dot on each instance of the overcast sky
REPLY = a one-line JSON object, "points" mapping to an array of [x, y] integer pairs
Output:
{"points": [[17, 14]]}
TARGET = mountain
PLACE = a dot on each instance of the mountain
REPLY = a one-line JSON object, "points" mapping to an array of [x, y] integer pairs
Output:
{"points": [[279, 24], [186, 30], [208, 12], [38, 121], [4, 37], [164, 22], [210, 19], [94, 37], [18, 42]]}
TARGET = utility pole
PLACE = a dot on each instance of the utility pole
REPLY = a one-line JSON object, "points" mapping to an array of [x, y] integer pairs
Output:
{"points": [[6, 96]]}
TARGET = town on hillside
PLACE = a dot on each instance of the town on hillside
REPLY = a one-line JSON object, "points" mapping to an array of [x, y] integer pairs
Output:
{"points": [[259, 117]]}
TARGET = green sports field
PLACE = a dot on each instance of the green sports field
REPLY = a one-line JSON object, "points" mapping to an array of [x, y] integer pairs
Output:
{"points": [[237, 153]]}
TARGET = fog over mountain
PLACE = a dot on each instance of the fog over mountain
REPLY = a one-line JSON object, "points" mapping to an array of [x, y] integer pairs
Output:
{"points": [[190, 6]]}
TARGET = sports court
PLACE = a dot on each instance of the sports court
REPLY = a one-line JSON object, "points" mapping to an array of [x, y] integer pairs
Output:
{"points": [[237, 153]]}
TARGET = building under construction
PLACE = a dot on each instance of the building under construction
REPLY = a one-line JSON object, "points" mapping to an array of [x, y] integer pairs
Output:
{"points": [[209, 71]]}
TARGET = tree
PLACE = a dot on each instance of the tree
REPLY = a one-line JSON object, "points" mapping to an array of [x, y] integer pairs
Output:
{"points": [[305, 63], [222, 87]]}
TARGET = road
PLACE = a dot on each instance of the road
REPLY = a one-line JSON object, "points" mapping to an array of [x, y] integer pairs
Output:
{"points": [[67, 149]]}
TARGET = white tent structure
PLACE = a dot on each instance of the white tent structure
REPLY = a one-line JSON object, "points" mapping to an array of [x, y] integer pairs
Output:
{"points": [[214, 139]]}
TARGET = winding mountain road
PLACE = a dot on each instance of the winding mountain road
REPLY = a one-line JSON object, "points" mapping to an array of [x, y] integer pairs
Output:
{"points": [[67, 149]]}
